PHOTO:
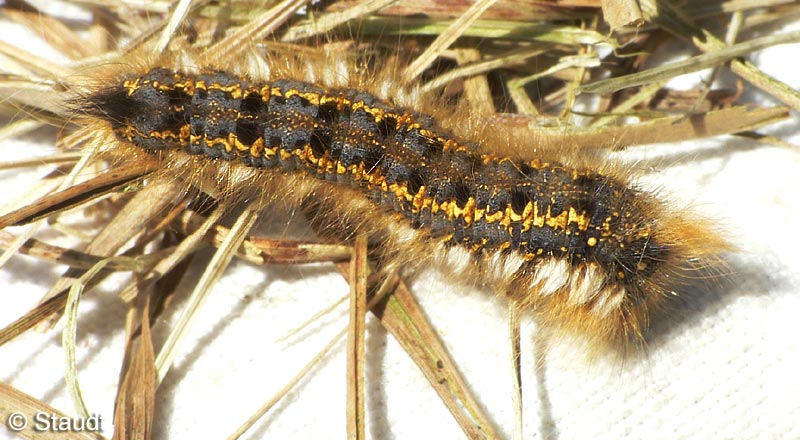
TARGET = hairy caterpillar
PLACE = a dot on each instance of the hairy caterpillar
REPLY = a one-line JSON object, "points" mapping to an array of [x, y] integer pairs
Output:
{"points": [[574, 244], [196, 170]]}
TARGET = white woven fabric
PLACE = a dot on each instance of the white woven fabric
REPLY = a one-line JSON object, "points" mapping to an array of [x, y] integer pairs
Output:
{"points": [[725, 366]]}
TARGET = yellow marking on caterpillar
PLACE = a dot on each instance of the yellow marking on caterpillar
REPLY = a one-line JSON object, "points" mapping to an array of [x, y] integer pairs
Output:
{"points": [[312, 97], [557, 222], [580, 219]]}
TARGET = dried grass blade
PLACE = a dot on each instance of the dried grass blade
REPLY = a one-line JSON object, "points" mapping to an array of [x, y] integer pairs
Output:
{"points": [[674, 128], [44, 160], [56, 254], [33, 317], [692, 64], [145, 205], [64, 184], [69, 334], [103, 32], [619, 13], [15, 401], [186, 247], [53, 31], [76, 195], [489, 29], [446, 38], [213, 271], [525, 105], [580, 61], [33, 63], [714, 123], [38, 315], [478, 93], [76, 259], [640, 97], [401, 315], [717, 7], [668, 16], [756, 77], [478, 67], [175, 19], [356, 345], [330, 20], [514, 314], [135, 405], [37, 100], [507, 10], [50, 306], [265, 24], [54, 301], [262, 250]]}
